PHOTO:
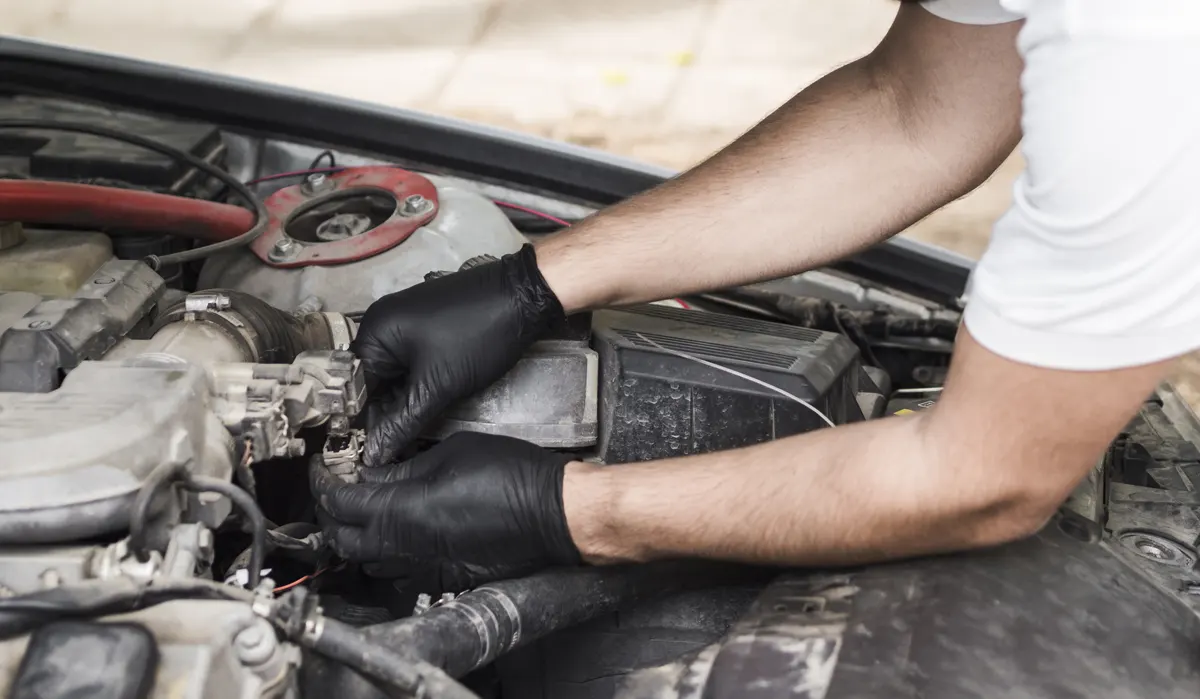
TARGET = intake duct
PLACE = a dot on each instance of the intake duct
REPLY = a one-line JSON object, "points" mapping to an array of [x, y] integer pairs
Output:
{"points": [[656, 403]]}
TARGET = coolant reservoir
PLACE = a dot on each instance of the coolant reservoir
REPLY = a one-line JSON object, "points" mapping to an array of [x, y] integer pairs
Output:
{"points": [[53, 264], [338, 242]]}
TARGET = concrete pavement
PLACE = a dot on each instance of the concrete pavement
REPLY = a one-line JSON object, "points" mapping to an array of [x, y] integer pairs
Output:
{"points": [[694, 71]]}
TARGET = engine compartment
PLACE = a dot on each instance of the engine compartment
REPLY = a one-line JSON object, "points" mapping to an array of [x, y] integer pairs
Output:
{"points": [[159, 404]]}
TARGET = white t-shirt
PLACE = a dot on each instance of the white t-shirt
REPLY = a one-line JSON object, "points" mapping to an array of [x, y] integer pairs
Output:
{"points": [[1097, 263]]}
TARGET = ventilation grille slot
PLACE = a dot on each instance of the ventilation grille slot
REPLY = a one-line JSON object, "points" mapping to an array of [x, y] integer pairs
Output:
{"points": [[710, 350], [717, 320]]}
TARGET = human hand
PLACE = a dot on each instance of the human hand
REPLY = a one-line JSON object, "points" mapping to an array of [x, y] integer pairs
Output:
{"points": [[427, 346], [477, 507]]}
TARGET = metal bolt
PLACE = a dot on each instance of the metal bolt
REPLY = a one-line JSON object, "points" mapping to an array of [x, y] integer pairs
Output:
{"points": [[284, 248], [447, 597], [317, 179], [424, 602], [206, 301], [1153, 550], [1191, 588], [1159, 549], [39, 325], [342, 226], [104, 280], [415, 204]]}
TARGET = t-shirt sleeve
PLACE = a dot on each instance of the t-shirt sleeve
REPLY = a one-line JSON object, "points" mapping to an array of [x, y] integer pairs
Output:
{"points": [[970, 11], [1096, 265]]}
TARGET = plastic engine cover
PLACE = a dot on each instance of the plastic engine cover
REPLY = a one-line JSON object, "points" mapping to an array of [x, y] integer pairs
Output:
{"points": [[655, 404], [74, 459]]}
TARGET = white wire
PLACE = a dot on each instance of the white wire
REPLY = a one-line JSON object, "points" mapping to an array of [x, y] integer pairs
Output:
{"points": [[934, 389], [740, 375]]}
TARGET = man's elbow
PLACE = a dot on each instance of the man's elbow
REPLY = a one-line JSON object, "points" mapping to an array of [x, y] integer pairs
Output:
{"points": [[1013, 514]]}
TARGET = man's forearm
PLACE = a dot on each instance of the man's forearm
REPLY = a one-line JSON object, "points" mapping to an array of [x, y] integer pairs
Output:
{"points": [[861, 493], [978, 469], [856, 157]]}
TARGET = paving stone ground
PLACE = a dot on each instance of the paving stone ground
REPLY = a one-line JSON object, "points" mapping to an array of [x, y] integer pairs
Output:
{"points": [[667, 81]]}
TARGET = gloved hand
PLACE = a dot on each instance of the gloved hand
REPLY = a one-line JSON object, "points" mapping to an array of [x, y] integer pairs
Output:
{"points": [[425, 347], [476, 507]]}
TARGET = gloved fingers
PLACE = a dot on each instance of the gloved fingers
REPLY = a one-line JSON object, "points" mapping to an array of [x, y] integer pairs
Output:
{"points": [[352, 543], [419, 466], [394, 424], [350, 503]]}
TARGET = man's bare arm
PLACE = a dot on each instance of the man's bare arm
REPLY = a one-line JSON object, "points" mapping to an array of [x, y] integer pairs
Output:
{"points": [[856, 157], [990, 463]]}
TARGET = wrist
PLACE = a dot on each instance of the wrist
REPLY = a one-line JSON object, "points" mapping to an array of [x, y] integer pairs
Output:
{"points": [[570, 280], [590, 499]]}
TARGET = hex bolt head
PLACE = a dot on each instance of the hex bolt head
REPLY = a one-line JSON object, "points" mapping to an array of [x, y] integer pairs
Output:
{"points": [[317, 179], [284, 248], [415, 204]]}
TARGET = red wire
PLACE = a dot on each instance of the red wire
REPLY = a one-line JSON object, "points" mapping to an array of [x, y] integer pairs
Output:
{"points": [[294, 583], [533, 212]]}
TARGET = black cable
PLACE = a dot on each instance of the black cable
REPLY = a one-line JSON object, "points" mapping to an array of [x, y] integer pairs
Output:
{"points": [[161, 476], [321, 156], [91, 599], [242, 499], [261, 217], [347, 645]]}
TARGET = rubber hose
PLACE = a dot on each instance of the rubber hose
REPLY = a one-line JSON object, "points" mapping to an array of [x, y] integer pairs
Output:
{"points": [[280, 336], [139, 514], [346, 645], [91, 206], [92, 599], [249, 508], [261, 216], [481, 625]]}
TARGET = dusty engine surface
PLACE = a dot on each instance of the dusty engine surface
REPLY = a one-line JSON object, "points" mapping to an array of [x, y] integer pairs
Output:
{"points": [[129, 388], [165, 381]]}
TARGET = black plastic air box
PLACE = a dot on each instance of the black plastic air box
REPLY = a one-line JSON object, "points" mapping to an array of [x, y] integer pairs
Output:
{"points": [[655, 404]]}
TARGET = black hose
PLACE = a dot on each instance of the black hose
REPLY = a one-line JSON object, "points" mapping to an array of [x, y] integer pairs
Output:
{"points": [[24, 613], [242, 499], [162, 476], [412, 675], [483, 624], [261, 217], [321, 156]]}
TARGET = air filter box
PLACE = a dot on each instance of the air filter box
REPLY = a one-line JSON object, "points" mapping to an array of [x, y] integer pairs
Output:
{"points": [[656, 404]]}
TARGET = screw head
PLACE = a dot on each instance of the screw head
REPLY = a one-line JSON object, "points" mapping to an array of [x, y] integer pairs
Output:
{"points": [[284, 248], [415, 204], [39, 324], [317, 179]]}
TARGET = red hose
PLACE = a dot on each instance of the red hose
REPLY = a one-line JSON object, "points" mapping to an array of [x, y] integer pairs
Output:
{"points": [[84, 205]]}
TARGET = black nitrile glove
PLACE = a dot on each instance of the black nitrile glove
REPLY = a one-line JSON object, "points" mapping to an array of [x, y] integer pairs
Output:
{"points": [[432, 344], [475, 508]]}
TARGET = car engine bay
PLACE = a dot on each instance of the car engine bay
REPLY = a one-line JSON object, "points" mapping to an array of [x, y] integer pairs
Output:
{"points": [[175, 333]]}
